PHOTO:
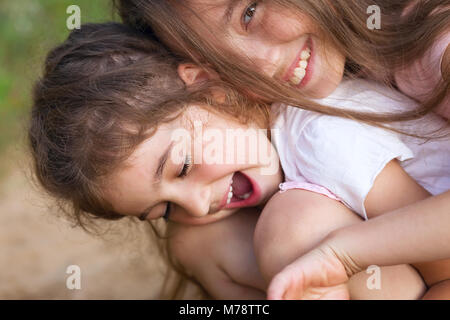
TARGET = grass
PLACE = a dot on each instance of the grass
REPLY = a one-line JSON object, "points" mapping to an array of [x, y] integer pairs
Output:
{"points": [[28, 30]]}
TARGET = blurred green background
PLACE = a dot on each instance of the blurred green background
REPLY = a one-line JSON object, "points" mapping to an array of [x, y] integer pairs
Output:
{"points": [[36, 244], [28, 29]]}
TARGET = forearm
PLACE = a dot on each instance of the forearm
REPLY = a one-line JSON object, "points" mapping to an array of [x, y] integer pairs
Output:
{"points": [[388, 239]]}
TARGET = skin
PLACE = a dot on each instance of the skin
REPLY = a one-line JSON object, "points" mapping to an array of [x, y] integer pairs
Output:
{"points": [[267, 37], [282, 235], [132, 190], [227, 269], [231, 270], [271, 38], [232, 264], [191, 192], [349, 250], [300, 279]]}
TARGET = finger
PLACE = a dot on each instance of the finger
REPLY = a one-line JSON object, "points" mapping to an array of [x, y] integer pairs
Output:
{"points": [[279, 286]]}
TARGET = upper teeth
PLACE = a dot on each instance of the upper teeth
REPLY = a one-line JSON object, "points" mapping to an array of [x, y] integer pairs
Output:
{"points": [[300, 71]]}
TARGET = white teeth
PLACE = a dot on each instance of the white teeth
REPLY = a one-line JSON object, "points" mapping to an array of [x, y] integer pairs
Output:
{"points": [[245, 196], [305, 55], [300, 71], [230, 195], [303, 64]]}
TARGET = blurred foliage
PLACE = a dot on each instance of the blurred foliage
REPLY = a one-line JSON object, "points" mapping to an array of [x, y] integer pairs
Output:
{"points": [[28, 30]]}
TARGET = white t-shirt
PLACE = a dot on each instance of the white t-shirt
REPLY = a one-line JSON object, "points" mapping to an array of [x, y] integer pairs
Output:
{"points": [[345, 156]]}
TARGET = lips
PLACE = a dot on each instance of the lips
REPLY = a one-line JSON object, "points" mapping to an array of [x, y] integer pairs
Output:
{"points": [[245, 192]]}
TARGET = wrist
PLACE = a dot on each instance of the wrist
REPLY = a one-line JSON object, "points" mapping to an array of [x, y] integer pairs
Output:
{"points": [[335, 245]]}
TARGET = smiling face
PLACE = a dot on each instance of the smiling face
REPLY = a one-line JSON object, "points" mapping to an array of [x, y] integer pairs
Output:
{"points": [[282, 44], [184, 172]]}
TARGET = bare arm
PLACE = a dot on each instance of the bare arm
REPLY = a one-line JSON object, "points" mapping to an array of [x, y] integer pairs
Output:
{"points": [[415, 233], [393, 189]]}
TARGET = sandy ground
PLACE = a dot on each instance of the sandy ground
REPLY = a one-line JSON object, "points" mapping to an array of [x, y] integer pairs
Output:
{"points": [[36, 247]]}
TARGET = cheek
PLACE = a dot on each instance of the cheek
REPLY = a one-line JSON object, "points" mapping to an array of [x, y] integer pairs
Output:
{"points": [[285, 24], [282, 27]]}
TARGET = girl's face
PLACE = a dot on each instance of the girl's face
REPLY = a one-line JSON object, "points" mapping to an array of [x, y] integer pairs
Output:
{"points": [[196, 169], [282, 44]]}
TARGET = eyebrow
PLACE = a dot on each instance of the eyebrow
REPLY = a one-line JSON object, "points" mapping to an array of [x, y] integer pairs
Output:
{"points": [[157, 176]]}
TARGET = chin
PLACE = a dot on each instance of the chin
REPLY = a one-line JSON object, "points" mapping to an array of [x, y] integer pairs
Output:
{"points": [[211, 218], [325, 87], [328, 78]]}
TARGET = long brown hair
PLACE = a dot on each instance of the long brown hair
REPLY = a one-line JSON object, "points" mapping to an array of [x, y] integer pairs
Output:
{"points": [[375, 53], [103, 92]]}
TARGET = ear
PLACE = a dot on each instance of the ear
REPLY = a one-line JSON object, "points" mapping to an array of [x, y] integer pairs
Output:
{"points": [[192, 74]]}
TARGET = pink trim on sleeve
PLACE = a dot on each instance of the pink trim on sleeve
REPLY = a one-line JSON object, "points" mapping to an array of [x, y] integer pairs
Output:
{"points": [[309, 187]]}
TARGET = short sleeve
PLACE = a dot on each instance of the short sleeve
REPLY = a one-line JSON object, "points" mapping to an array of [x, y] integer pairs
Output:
{"points": [[346, 156]]}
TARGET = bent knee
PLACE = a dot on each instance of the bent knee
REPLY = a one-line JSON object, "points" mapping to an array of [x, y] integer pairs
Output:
{"points": [[292, 223]]}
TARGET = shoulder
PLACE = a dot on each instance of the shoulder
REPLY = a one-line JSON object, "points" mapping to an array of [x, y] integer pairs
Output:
{"points": [[214, 245]]}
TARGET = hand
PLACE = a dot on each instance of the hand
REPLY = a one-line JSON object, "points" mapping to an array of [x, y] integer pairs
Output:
{"points": [[318, 275]]}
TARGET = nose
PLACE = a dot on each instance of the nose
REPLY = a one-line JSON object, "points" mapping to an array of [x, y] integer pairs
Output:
{"points": [[195, 200]]}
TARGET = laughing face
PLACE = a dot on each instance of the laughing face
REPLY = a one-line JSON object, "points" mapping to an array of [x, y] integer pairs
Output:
{"points": [[194, 171], [280, 43]]}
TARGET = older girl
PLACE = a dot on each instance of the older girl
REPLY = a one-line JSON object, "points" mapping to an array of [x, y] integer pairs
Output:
{"points": [[259, 46], [291, 50]]}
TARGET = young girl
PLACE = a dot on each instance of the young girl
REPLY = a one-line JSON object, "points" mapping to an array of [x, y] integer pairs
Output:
{"points": [[310, 45], [110, 131]]}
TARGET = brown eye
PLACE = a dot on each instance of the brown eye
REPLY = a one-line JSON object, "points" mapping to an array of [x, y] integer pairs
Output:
{"points": [[249, 13]]}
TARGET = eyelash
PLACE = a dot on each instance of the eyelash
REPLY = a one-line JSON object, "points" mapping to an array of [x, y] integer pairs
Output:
{"points": [[187, 165], [254, 5]]}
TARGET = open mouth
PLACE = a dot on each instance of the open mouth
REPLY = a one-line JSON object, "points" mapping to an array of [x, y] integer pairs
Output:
{"points": [[242, 192], [299, 72]]}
